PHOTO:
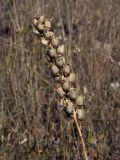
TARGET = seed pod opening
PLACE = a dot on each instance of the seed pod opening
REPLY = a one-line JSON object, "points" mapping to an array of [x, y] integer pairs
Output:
{"points": [[60, 49], [34, 30], [66, 70], [66, 86], [40, 27], [71, 77], [73, 93], [55, 70], [60, 61], [79, 100], [60, 91], [80, 114]]}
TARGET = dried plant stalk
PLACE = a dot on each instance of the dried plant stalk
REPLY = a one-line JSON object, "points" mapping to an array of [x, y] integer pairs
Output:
{"points": [[61, 70]]}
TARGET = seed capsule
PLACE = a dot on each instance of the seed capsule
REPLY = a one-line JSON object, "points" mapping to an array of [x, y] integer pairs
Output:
{"points": [[71, 77], [35, 21], [55, 42], [57, 78], [61, 49], [47, 24], [40, 27], [80, 114], [69, 107], [42, 19], [60, 91], [44, 41], [79, 100], [60, 61], [66, 70], [35, 30], [73, 93], [66, 85], [55, 69], [52, 53]]}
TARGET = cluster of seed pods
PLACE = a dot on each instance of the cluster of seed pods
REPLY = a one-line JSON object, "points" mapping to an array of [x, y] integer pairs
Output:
{"points": [[61, 70]]}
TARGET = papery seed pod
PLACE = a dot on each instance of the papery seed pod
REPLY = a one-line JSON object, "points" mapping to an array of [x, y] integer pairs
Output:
{"points": [[71, 77], [44, 41], [41, 19], [60, 61], [40, 26], [52, 52], [66, 70], [80, 114], [55, 42], [35, 21], [34, 30], [73, 93], [55, 70], [60, 91], [66, 85], [79, 100], [69, 107], [47, 24], [47, 34], [60, 49]]}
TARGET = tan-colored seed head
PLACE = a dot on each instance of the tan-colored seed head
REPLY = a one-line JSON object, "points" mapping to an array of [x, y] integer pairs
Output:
{"points": [[66, 70], [66, 85], [52, 52], [55, 41], [73, 93], [44, 41], [40, 26], [79, 100], [34, 30], [41, 19], [69, 106], [71, 77], [47, 24], [80, 114], [60, 61], [35, 21], [54, 69], [61, 49], [60, 91]]}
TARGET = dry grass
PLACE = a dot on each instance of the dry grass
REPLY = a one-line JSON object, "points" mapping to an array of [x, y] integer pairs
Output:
{"points": [[31, 126]]}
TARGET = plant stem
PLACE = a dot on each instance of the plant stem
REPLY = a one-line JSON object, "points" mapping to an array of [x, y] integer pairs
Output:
{"points": [[80, 135]]}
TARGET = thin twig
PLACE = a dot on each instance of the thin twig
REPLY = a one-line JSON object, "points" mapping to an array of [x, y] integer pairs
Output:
{"points": [[80, 135]]}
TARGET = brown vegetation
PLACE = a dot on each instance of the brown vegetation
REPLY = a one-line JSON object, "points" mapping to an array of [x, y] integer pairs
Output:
{"points": [[32, 124]]}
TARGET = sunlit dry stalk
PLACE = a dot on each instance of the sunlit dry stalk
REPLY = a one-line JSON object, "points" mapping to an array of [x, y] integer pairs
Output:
{"points": [[61, 70]]}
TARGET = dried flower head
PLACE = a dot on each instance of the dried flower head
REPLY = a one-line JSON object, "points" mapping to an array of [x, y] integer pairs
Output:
{"points": [[80, 114]]}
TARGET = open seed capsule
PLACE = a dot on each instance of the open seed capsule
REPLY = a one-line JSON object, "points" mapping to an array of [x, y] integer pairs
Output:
{"points": [[66, 85], [41, 19], [55, 69], [60, 61], [47, 24], [69, 106], [79, 100], [55, 41], [71, 77], [66, 70], [60, 91], [40, 26], [52, 52], [73, 93], [35, 21], [44, 41], [80, 114], [34, 30], [60, 49]]}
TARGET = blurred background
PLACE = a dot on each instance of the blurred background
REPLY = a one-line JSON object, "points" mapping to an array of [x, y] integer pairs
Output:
{"points": [[32, 124]]}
